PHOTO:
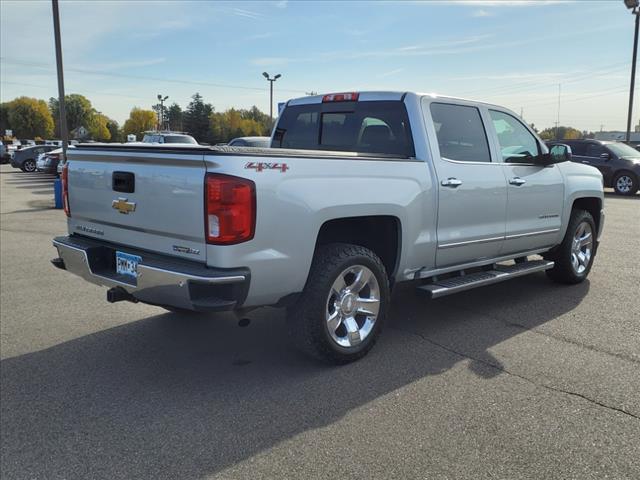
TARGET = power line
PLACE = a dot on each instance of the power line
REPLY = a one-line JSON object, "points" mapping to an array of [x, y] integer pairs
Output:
{"points": [[140, 77]]}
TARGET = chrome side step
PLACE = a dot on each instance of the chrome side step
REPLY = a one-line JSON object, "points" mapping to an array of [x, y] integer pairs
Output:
{"points": [[500, 273]]}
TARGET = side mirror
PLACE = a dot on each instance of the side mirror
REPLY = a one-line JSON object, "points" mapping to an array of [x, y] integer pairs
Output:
{"points": [[557, 154], [606, 156]]}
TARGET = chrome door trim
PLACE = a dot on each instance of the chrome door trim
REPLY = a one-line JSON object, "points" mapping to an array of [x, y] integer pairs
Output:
{"points": [[532, 234], [471, 242]]}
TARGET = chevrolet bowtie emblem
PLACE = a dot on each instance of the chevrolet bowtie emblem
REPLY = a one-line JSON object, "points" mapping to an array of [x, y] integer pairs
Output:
{"points": [[123, 206]]}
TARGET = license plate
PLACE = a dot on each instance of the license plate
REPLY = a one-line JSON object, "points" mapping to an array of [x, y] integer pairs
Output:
{"points": [[127, 264]]}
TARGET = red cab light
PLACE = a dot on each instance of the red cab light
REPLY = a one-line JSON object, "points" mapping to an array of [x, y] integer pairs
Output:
{"points": [[341, 97], [230, 209], [65, 189]]}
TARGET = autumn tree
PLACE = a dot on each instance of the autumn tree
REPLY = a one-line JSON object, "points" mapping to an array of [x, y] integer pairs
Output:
{"points": [[560, 133], [98, 129], [238, 123], [139, 121], [29, 118], [196, 118]]}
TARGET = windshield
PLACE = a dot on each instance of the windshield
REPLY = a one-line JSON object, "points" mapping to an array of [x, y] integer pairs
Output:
{"points": [[622, 150]]}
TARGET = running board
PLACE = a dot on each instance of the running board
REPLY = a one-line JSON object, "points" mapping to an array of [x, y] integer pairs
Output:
{"points": [[500, 273]]}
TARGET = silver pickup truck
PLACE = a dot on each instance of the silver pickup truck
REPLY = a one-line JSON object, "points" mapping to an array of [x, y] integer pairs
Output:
{"points": [[358, 192]]}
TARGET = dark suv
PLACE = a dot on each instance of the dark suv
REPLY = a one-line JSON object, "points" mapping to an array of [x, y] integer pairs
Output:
{"points": [[618, 163]]}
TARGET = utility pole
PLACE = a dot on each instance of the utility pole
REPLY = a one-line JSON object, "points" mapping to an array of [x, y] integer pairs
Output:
{"points": [[161, 111], [633, 6], [64, 134], [271, 81]]}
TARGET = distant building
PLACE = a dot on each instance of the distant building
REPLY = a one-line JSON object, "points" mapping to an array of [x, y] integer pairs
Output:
{"points": [[617, 136], [80, 133]]}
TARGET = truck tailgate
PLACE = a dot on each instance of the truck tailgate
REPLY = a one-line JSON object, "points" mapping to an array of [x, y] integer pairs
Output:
{"points": [[147, 199]]}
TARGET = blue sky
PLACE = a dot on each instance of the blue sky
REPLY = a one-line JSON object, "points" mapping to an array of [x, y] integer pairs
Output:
{"points": [[514, 53]]}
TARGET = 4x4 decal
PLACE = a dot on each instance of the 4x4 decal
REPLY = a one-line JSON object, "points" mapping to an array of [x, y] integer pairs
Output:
{"points": [[260, 166]]}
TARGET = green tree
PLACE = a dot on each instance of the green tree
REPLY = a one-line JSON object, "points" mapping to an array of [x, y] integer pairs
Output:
{"points": [[139, 121], [196, 119], [79, 111], [174, 116], [98, 129], [114, 130], [4, 118], [30, 118]]}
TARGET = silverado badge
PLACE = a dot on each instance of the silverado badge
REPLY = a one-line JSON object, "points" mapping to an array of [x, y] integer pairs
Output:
{"points": [[123, 206]]}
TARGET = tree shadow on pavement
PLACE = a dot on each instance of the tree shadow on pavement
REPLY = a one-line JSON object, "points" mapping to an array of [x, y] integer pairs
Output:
{"points": [[179, 396]]}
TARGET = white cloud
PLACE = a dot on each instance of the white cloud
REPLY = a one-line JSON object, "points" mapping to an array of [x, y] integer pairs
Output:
{"points": [[391, 73], [281, 4], [481, 13]]}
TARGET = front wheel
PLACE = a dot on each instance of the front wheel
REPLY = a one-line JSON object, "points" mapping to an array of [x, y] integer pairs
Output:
{"points": [[339, 315], [574, 256], [625, 184]]}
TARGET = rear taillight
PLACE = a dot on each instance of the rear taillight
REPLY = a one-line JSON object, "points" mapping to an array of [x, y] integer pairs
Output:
{"points": [[341, 97], [230, 209], [65, 189]]}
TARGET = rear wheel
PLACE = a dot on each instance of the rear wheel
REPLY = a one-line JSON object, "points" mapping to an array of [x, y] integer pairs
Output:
{"points": [[574, 256], [29, 166], [625, 183], [339, 315]]}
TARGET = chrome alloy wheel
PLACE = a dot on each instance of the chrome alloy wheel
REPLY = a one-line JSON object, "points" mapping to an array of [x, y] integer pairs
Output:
{"points": [[352, 306], [624, 184], [582, 247]]}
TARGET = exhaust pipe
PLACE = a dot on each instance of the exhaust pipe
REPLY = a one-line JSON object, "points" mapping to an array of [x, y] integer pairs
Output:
{"points": [[119, 294]]}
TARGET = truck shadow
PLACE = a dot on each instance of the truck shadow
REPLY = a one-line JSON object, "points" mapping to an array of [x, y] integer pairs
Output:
{"points": [[179, 396]]}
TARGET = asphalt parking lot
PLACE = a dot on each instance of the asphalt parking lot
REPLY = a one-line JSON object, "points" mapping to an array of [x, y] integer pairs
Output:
{"points": [[525, 379]]}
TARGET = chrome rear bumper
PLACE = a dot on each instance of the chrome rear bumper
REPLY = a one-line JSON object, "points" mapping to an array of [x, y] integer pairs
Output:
{"points": [[161, 280]]}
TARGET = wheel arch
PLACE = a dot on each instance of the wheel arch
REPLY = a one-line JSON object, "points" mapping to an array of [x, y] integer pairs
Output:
{"points": [[381, 234], [593, 205]]}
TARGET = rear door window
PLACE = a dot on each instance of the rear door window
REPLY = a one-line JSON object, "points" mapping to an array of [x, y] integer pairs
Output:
{"points": [[595, 150], [460, 132], [377, 127]]}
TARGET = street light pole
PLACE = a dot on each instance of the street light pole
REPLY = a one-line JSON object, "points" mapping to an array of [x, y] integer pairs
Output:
{"points": [[64, 135], [161, 112], [633, 6], [271, 81]]}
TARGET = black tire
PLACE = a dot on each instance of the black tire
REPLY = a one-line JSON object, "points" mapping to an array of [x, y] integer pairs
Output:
{"points": [[307, 318], [28, 166], [628, 187], [564, 270]]}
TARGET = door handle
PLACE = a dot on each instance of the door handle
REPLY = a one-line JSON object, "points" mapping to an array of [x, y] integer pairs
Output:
{"points": [[587, 162], [517, 181], [451, 182]]}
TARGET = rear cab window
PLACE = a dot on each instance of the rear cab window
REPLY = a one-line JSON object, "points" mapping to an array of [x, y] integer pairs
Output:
{"points": [[372, 127]]}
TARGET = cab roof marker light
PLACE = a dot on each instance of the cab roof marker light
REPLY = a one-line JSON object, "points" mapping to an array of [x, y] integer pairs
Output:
{"points": [[341, 97]]}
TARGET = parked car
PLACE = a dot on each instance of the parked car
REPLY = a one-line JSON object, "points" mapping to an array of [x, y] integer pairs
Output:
{"points": [[12, 146], [619, 163], [4, 154], [25, 158], [361, 191], [48, 162], [168, 137], [261, 142]]}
